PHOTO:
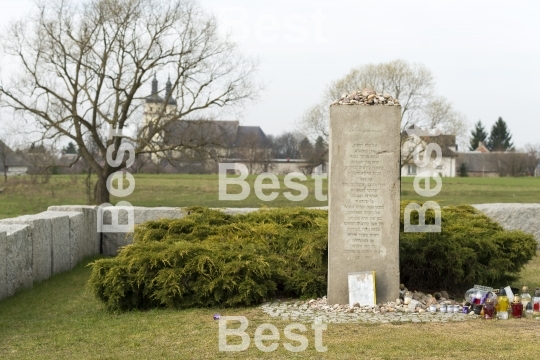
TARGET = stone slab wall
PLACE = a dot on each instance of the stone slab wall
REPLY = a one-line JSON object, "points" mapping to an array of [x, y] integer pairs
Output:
{"points": [[524, 217], [67, 233], [41, 234], [17, 257], [92, 244], [33, 247], [3, 265]]}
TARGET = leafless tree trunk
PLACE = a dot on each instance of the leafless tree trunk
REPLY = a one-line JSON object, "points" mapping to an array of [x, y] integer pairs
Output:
{"points": [[84, 65], [256, 154], [4, 151]]}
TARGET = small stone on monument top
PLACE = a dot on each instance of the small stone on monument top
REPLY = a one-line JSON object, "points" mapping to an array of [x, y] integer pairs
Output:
{"points": [[367, 96]]}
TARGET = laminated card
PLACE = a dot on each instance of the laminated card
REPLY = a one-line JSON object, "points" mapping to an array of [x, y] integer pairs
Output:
{"points": [[362, 288]]}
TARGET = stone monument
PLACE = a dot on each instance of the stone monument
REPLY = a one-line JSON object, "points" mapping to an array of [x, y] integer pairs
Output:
{"points": [[364, 193]]}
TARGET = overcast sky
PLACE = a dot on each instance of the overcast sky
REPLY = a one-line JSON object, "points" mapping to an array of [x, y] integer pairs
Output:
{"points": [[485, 55]]}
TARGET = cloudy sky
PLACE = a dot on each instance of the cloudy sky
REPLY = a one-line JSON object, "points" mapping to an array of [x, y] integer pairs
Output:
{"points": [[485, 55]]}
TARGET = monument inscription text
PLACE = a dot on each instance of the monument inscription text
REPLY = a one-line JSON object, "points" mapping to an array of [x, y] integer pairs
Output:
{"points": [[363, 209]]}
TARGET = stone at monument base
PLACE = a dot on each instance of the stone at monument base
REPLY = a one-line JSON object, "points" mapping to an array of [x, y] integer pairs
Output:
{"points": [[363, 194]]}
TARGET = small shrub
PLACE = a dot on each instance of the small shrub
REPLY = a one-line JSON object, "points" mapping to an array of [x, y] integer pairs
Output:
{"points": [[463, 171], [209, 258]]}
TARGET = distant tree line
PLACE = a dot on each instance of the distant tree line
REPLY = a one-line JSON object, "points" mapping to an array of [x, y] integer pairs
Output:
{"points": [[506, 159], [291, 145], [499, 139]]}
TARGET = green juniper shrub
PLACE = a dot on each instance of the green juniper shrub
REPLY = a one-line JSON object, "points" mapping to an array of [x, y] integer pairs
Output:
{"points": [[210, 258], [470, 249]]}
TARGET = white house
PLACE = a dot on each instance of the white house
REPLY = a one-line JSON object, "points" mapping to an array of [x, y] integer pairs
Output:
{"points": [[447, 167]]}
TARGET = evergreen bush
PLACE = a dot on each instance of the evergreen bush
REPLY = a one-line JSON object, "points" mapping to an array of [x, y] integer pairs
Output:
{"points": [[470, 249], [210, 258]]}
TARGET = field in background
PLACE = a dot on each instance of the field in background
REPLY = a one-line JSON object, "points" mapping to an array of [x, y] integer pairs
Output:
{"points": [[457, 191], [60, 319], [21, 196]]}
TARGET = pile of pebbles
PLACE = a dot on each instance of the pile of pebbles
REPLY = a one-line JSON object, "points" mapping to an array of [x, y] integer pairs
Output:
{"points": [[368, 96], [318, 310]]}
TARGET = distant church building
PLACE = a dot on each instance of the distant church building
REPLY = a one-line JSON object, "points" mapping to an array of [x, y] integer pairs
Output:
{"points": [[201, 143], [154, 106]]}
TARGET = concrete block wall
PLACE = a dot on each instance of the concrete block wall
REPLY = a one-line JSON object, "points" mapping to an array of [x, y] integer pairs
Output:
{"points": [[34, 247], [92, 240], [16, 262]]}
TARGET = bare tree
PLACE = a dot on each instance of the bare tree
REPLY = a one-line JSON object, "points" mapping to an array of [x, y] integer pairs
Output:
{"points": [[533, 150], [412, 84], [514, 163], [83, 64], [315, 121], [5, 153], [41, 160], [286, 146], [255, 153]]}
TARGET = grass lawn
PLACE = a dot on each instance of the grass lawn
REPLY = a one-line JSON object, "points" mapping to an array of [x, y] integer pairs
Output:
{"points": [[60, 319], [457, 191], [20, 196]]}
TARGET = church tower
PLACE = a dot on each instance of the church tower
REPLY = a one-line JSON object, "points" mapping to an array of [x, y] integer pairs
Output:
{"points": [[155, 105], [157, 108]]}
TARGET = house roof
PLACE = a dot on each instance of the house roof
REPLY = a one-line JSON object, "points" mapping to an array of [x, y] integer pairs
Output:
{"points": [[11, 158], [446, 142], [249, 136], [478, 161], [482, 147], [201, 132], [489, 162], [67, 159], [213, 132]]}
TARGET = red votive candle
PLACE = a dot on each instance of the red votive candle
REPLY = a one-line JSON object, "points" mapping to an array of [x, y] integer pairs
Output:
{"points": [[489, 310], [517, 310]]}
